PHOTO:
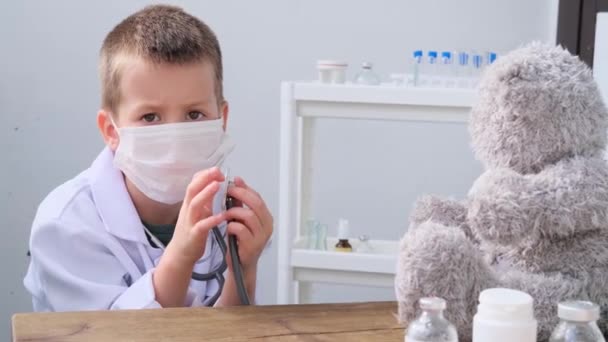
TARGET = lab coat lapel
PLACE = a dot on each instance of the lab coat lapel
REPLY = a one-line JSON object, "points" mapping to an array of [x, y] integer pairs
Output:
{"points": [[113, 201]]}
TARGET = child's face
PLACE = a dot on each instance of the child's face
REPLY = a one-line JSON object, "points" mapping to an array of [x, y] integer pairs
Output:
{"points": [[153, 94]]}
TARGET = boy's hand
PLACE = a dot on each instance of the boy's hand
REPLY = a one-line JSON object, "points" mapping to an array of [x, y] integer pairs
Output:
{"points": [[252, 224], [196, 218]]}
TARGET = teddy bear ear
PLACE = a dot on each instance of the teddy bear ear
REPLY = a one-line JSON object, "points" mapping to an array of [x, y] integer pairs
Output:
{"points": [[534, 76], [528, 63]]}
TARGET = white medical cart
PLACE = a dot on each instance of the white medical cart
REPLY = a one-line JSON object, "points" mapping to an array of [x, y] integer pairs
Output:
{"points": [[302, 103]]}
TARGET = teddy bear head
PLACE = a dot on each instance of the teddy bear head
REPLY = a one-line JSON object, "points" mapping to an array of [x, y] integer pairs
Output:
{"points": [[537, 105]]}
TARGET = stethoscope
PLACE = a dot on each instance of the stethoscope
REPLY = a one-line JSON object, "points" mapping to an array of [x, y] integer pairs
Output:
{"points": [[218, 273]]}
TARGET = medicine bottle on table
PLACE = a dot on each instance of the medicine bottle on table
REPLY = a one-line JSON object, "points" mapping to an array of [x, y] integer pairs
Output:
{"points": [[504, 315], [578, 323], [343, 233], [366, 76], [431, 326]]}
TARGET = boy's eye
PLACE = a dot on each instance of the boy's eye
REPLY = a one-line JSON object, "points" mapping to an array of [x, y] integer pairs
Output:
{"points": [[150, 117], [195, 115]]}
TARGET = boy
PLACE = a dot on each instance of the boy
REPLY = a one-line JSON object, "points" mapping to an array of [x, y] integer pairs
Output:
{"points": [[98, 241]]}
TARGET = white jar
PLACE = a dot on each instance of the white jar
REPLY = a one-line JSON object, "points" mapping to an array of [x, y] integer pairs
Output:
{"points": [[332, 71], [504, 315]]}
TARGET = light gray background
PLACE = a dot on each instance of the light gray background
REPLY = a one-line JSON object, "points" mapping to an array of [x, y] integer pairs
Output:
{"points": [[369, 172]]}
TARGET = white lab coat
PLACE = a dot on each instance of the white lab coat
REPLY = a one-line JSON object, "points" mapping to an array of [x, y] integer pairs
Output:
{"points": [[89, 250]]}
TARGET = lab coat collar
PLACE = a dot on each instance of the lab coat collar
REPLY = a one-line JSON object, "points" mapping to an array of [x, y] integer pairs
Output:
{"points": [[112, 200]]}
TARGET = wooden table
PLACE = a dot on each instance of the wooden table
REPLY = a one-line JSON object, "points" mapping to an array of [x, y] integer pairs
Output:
{"points": [[323, 322]]}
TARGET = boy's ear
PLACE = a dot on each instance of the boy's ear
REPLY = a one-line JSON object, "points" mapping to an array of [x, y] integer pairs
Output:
{"points": [[224, 112], [107, 129]]}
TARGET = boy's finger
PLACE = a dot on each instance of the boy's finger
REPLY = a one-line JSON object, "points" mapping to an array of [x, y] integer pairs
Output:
{"points": [[239, 230], [247, 217], [201, 180], [241, 182], [200, 206], [201, 228], [254, 202]]}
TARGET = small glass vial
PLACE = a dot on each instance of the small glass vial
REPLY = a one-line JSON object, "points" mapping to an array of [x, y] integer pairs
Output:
{"points": [[415, 69], [446, 66], [578, 323], [431, 326], [367, 76], [477, 66], [322, 237], [364, 245], [311, 233], [490, 58], [433, 77], [463, 71], [343, 232]]}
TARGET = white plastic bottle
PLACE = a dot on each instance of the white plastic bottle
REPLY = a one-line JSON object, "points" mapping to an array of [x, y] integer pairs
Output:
{"points": [[504, 315], [431, 326]]}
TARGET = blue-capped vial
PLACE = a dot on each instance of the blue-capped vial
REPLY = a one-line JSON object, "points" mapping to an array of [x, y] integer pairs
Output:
{"points": [[463, 71], [447, 70], [477, 65], [491, 57], [446, 56], [415, 68], [477, 61], [463, 59], [432, 73]]}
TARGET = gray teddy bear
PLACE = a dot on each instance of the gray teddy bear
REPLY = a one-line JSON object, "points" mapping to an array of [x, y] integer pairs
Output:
{"points": [[537, 219]]}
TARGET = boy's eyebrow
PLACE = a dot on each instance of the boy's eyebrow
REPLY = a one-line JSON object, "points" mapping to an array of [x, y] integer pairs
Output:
{"points": [[199, 103], [155, 107], [148, 108]]}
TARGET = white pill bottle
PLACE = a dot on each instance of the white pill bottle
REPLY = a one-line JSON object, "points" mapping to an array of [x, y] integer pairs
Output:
{"points": [[504, 315]]}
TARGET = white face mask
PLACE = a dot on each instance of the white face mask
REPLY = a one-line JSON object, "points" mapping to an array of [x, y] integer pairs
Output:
{"points": [[161, 160]]}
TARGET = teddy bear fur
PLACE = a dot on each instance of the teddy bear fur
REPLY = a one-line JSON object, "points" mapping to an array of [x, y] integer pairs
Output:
{"points": [[536, 220]]}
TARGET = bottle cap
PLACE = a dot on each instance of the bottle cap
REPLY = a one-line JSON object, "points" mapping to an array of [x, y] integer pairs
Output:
{"points": [[418, 53], [432, 303], [363, 238], [505, 304], [463, 58], [477, 61], [446, 54], [343, 229], [366, 65], [491, 57], [331, 64], [578, 311], [433, 54]]}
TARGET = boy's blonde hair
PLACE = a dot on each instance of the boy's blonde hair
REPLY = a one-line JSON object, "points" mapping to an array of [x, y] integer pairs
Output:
{"points": [[159, 34]]}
